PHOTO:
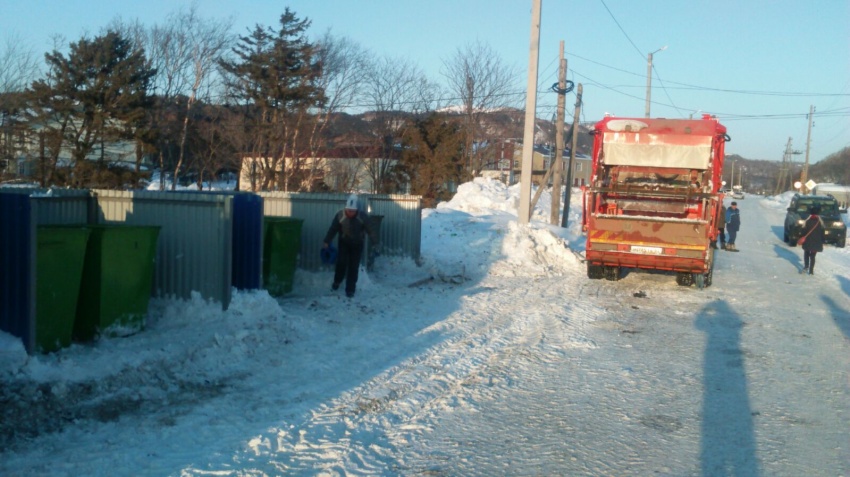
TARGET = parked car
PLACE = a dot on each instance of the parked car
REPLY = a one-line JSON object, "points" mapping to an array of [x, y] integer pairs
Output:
{"points": [[801, 205], [737, 192]]}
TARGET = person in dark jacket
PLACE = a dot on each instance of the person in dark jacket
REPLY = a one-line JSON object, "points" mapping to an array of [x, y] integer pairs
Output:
{"points": [[721, 225], [733, 224], [814, 232], [351, 225]]}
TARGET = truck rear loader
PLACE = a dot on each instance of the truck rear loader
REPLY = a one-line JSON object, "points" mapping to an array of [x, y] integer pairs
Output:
{"points": [[654, 197]]}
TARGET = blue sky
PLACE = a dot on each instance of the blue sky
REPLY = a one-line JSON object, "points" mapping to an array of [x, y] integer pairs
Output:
{"points": [[759, 65]]}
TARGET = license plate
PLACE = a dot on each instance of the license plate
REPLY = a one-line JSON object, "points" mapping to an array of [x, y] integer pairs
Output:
{"points": [[646, 250]]}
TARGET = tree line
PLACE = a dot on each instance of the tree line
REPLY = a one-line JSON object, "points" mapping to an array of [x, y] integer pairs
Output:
{"points": [[195, 99]]}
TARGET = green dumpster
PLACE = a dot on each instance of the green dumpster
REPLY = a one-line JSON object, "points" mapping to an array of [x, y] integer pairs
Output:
{"points": [[281, 244], [117, 279], [60, 253]]}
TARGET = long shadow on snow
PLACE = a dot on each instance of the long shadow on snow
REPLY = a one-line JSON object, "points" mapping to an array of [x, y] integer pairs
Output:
{"points": [[788, 255], [300, 438], [728, 441], [845, 284], [779, 231], [840, 316]]}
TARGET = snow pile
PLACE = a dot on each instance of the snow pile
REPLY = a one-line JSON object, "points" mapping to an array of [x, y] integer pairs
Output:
{"points": [[477, 233], [13, 356]]}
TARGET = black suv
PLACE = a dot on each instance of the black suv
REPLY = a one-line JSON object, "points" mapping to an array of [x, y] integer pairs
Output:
{"points": [[799, 210]]}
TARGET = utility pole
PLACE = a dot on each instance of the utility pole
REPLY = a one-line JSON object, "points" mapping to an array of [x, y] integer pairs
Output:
{"points": [[649, 77], [783, 170], [732, 180], [524, 213], [782, 183], [805, 176], [573, 146], [558, 167]]}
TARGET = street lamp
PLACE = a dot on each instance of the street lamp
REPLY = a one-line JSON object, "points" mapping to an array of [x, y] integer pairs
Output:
{"points": [[649, 77]]}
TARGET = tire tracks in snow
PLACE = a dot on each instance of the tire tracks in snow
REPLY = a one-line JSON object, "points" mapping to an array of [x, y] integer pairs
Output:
{"points": [[466, 370]]}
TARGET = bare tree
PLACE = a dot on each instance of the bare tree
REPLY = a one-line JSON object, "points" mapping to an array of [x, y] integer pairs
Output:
{"points": [[343, 66], [479, 79], [210, 141], [142, 130], [396, 88], [18, 65], [184, 50], [18, 68], [207, 40]]}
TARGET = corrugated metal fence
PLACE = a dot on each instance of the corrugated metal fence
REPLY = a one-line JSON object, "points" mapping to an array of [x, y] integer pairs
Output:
{"points": [[209, 242], [400, 229]]}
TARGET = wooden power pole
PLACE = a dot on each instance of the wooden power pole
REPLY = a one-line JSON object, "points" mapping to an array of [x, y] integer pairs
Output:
{"points": [[784, 181], [805, 176], [558, 167], [570, 164]]}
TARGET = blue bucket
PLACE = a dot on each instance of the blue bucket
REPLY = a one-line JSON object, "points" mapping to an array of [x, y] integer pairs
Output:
{"points": [[328, 255]]}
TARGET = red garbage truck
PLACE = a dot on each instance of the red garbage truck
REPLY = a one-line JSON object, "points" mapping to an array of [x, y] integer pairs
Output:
{"points": [[654, 197]]}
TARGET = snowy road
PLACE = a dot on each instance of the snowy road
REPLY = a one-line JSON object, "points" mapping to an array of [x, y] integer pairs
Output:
{"points": [[523, 366], [598, 379]]}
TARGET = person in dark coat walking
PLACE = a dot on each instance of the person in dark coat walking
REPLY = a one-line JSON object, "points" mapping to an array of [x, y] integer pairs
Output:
{"points": [[813, 232], [733, 224], [351, 225]]}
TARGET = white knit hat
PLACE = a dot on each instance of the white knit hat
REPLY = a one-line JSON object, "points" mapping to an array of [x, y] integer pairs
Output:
{"points": [[351, 203]]}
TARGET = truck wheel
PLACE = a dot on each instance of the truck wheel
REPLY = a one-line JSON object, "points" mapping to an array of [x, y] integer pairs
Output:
{"points": [[594, 272], [612, 273], [841, 242], [699, 280], [710, 273], [684, 279]]}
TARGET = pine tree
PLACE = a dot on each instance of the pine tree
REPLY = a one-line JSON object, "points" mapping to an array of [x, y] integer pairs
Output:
{"points": [[433, 157], [90, 97], [275, 77]]}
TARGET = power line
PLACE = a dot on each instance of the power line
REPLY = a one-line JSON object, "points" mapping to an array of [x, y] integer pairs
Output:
{"points": [[621, 28], [720, 90]]}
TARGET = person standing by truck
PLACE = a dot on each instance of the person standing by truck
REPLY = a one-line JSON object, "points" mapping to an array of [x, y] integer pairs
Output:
{"points": [[733, 224], [721, 226]]}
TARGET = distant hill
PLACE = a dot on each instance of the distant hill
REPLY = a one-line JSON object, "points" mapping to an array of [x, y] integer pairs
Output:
{"points": [[760, 176], [835, 168], [501, 124]]}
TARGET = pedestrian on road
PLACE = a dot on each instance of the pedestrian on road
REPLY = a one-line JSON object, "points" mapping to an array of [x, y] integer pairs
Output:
{"points": [[721, 225], [352, 225], [733, 224], [813, 234]]}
